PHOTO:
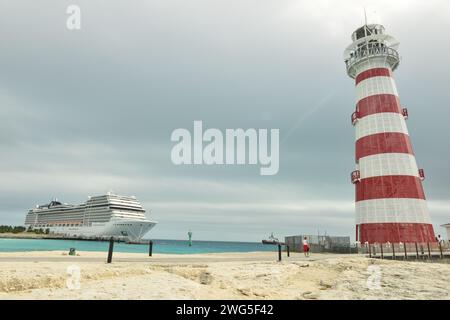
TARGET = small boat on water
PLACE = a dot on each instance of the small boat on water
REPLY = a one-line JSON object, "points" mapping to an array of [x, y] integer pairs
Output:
{"points": [[137, 242], [271, 240]]}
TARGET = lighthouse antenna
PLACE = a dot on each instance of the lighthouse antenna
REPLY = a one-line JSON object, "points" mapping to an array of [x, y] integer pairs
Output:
{"points": [[365, 17], [365, 28]]}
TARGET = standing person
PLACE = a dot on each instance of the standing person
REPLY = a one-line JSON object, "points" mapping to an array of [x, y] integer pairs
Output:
{"points": [[305, 247], [439, 239]]}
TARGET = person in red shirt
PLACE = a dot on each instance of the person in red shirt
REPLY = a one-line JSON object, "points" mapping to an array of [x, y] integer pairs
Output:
{"points": [[305, 247]]}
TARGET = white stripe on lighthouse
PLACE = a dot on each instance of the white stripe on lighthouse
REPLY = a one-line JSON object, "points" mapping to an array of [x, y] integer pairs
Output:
{"points": [[392, 210], [388, 164], [375, 85], [380, 123], [373, 63]]}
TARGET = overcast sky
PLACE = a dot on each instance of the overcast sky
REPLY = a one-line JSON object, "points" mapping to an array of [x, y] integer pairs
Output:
{"points": [[88, 111]]}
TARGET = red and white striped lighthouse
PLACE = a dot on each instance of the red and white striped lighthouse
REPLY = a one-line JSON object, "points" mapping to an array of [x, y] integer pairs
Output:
{"points": [[390, 201]]}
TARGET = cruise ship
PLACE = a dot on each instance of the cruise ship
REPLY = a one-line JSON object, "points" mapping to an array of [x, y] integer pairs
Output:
{"points": [[100, 217]]}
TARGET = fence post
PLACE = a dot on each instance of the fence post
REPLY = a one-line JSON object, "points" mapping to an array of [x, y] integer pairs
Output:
{"points": [[406, 254], [111, 248], [417, 251], [440, 249], [287, 249], [393, 251], [279, 252], [370, 252], [150, 248], [429, 251], [381, 250]]}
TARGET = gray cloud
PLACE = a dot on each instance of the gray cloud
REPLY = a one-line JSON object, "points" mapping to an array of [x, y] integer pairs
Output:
{"points": [[92, 110]]}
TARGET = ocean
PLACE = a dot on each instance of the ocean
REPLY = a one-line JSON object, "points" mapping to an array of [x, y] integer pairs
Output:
{"points": [[159, 246]]}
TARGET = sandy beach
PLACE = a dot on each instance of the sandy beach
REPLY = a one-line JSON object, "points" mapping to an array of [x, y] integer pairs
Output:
{"points": [[44, 275]]}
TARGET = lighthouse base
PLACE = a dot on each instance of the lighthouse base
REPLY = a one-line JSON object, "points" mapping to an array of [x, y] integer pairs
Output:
{"points": [[394, 232]]}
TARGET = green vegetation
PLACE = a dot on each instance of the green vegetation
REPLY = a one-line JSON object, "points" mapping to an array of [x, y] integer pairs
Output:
{"points": [[11, 229], [38, 231], [19, 229]]}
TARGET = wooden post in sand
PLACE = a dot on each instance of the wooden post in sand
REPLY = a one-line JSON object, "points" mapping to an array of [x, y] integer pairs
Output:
{"points": [[440, 249], [393, 251], [287, 249], [429, 251], [110, 251], [150, 248], [381, 248], [279, 252]]}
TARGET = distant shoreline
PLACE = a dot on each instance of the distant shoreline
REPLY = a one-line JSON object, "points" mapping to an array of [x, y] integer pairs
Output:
{"points": [[34, 236], [29, 235]]}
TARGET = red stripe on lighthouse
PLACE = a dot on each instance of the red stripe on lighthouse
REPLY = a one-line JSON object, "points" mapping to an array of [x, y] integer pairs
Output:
{"points": [[377, 104], [386, 142], [381, 187], [375, 72], [396, 232]]}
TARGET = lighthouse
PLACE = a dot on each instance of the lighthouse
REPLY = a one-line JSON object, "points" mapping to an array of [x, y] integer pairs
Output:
{"points": [[390, 201]]}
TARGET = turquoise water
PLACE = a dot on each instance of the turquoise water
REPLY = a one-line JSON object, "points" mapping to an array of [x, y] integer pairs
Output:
{"points": [[159, 246]]}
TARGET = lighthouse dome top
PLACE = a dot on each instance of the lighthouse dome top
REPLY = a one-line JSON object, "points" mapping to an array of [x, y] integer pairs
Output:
{"points": [[367, 30]]}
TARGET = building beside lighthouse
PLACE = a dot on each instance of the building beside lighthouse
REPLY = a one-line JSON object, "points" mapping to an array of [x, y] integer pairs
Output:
{"points": [[389, 199]]}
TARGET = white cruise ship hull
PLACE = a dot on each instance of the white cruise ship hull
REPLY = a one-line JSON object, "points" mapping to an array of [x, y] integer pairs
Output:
{"points": [[127, 230]]}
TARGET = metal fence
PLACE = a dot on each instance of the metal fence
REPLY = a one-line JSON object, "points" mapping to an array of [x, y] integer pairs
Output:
{"points": [[321, 243], [415, 250]]}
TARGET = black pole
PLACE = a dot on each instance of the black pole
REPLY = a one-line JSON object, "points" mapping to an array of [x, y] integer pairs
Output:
{"points": [[393, 251], [370, 252], [440, 249], [110, 251], [406, 255], [429, 251], [417, 252], [150, 248], [279, 252], [287, 249], [381, 249]]}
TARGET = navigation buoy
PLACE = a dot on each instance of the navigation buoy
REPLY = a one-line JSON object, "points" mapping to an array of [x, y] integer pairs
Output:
{"points": [[190, 238]]}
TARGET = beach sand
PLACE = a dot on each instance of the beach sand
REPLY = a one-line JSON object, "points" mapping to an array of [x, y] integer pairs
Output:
{"points": [[43, 275]]}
